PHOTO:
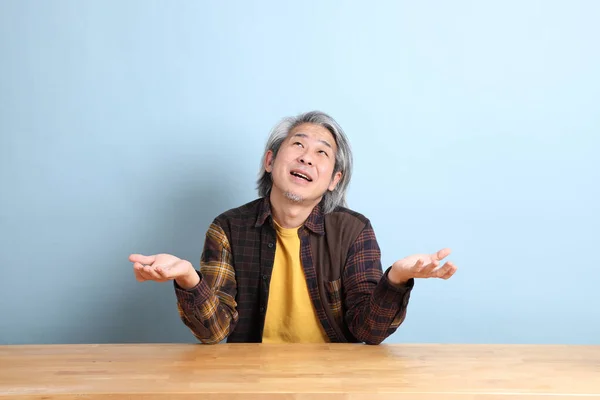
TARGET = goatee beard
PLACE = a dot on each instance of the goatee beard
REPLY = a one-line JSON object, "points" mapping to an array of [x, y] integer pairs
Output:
{"points": [[293, 197]]}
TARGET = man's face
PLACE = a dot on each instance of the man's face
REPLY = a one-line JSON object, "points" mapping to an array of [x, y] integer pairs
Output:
{"points": [[303, 168]]}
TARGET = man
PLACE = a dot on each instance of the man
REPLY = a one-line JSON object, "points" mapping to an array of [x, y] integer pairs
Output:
{"points": [[295, 265]]}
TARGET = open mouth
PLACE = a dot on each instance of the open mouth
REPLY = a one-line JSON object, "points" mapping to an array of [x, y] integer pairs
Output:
{"points": [[301, 176]]}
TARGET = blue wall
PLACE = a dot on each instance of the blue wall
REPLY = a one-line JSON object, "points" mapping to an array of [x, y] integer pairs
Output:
{"points": [[127, 126]]}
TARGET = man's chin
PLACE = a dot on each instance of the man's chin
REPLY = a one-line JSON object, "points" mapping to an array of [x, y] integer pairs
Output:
{"points": [[296, 198]]}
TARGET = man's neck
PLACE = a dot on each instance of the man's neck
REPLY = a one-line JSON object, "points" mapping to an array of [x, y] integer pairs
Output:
{"points": [[287, 213]]}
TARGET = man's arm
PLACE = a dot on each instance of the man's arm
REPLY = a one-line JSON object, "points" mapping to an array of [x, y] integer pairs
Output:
{"points": [[209, 307], [375, 306]]}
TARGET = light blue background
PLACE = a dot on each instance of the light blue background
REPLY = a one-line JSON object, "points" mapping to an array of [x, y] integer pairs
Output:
{"points": [[126, 126]]}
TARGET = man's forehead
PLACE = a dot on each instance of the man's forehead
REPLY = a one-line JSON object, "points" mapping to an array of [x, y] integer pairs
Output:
{"points": [[314, 131]]}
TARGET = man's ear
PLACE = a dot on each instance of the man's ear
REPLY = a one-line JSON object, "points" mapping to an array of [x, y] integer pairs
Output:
{"points": [[335, 180], [269, 161]]}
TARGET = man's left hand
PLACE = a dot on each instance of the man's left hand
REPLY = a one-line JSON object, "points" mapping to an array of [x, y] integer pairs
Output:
{"points": [[422, 266]]}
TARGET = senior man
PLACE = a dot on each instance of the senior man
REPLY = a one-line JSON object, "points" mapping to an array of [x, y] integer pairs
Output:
{"points": [[295, 265]]}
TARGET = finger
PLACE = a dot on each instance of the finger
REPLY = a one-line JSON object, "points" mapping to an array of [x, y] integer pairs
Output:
{"points": [[146, 260], [146, 274], [451, 272], [442, 270], [151, 273], [418, 267], [428, 270], [139, 277], [164, 272], [443, 253], [138, 272]]}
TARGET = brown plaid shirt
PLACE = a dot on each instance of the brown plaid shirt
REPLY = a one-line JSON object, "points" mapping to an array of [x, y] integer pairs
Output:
{"points": [[353, 299]]}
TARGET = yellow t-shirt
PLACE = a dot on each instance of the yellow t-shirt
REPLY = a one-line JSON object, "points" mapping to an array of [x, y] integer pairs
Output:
{"points": [[291, 317]]}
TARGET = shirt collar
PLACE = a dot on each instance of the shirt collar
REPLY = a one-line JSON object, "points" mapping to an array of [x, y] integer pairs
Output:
{"points": [[314, 222]]}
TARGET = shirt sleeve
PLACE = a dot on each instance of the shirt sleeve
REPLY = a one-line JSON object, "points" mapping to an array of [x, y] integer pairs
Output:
{"points": [[209, 308], [375, 307]]}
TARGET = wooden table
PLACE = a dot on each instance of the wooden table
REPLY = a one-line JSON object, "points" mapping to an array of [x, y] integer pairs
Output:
{"points": [[334, 371]]}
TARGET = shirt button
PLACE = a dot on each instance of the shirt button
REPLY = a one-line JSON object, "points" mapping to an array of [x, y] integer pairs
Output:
{"points": [[262, 309], [264, 277], [270, 245]]}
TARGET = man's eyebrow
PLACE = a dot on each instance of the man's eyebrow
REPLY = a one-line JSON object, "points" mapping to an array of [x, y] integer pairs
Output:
{"points": [[303, 135]]}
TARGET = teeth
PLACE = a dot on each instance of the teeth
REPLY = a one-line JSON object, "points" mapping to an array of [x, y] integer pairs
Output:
{"points": [[300, 175]]}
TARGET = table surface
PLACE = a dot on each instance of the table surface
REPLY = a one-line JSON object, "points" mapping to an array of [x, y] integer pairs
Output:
{"points": [[298, 371]]}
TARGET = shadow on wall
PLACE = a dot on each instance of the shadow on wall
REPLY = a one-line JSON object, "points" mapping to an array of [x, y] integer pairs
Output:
{"points": [[128, 311]]}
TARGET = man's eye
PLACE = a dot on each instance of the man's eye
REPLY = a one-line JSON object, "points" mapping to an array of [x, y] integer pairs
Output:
{"points": [[297, 144], [324, 152]]}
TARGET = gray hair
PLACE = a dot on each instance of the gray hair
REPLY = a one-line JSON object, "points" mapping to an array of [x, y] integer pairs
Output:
{"points": [[343, 157]]}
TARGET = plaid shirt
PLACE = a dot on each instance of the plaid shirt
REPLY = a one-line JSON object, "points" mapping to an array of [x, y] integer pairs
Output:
{"points": [[351, 294]]}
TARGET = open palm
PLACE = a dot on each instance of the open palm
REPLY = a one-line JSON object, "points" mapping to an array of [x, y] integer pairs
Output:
{"points": [[424, 266], [158, 267]]}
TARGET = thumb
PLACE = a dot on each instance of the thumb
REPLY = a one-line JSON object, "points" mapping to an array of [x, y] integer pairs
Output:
{"points": [[443, 253], [146, 260]]}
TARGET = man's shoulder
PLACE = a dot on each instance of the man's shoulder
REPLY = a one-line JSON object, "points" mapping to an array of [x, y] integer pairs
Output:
{"points": [[347, 214], [246, 213], [345, 223]]}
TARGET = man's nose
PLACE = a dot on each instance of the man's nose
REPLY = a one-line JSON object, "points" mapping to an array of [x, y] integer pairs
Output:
{"points": [[305, 160]]}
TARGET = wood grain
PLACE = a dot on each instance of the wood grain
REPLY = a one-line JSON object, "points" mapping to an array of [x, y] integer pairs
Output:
{"points": [[328, 371]]}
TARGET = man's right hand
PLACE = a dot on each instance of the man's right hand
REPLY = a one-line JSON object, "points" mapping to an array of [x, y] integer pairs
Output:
{"points": [[164, 267]]}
